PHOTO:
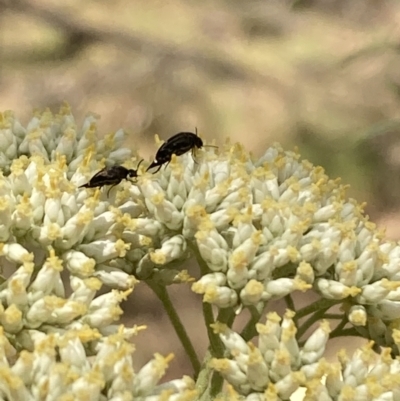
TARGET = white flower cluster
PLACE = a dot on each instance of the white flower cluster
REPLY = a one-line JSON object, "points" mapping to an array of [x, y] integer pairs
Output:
{"points": [[48, 226], [260, 229], [58, 370], [279, 367], [58, 246]]}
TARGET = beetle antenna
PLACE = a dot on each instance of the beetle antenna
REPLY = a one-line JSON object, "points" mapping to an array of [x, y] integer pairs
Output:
{"points": [[137, 167]]}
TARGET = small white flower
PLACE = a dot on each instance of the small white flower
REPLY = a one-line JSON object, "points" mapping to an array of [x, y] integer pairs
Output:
{"points": [[358, 315], [105, 309], [147, 378], [315, 345], [115, 278], [231, 371], [79, 263], [171, 249], [11, 319]]}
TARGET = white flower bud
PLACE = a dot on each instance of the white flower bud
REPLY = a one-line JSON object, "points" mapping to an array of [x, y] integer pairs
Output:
{"points": [[67, 312], [194, 216], [6, 209], [357, 315], [147, 378], [53, 212], [88, 387], [332, 289], [72, 351], [257, 370], [105, 309], [233, 342], [23, 367], [84, 290], [132, 208], [78, 263], [269, 336], [325, 213], [347, 272], [164, 210], [66, 144], [171, 249], [213, 249], [232, 373], [222, 218], [16, 292], [211, 279], [19, 181], [48, 279], [17, 253], [315, 345], [305, 272], [100, 225], [178, 385], [243, 233], [11, 319], [103, 250], [281, 287], [280, 365], [47, 234], [288, 336], [115, 278], [147, 227], [75, 229], [287, 386], [262, 266], [377, 291], [37, 200], [223, 297], [176, 191], [251, 293], [356, 369]]}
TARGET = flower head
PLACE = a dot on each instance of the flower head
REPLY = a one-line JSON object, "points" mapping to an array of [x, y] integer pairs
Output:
{"points": [[260, 229]]}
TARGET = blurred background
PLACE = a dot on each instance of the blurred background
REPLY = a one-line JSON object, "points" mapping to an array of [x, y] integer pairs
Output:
{"points": [[320, 75]]}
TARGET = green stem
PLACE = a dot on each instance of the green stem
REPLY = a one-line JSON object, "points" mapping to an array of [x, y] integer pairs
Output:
{"points": [[226, 316], [316, 306], [208, 315], [249, 331], [203, 380], [163, 296], [217, 381], [290, 303], [333, 316], [339, 328], [209, 382], [310, 321], [345, 333]]}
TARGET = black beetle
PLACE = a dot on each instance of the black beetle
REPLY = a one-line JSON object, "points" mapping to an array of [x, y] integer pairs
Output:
{"points": [[178, 144], [111, 176]]}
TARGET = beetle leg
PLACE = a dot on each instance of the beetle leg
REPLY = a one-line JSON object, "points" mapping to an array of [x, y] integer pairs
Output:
{"points": [[158, 169], [112, 186], [193, 156]]}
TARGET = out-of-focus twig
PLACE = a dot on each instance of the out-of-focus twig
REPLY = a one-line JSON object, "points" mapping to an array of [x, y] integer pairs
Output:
{"points": [[81, 33]]}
